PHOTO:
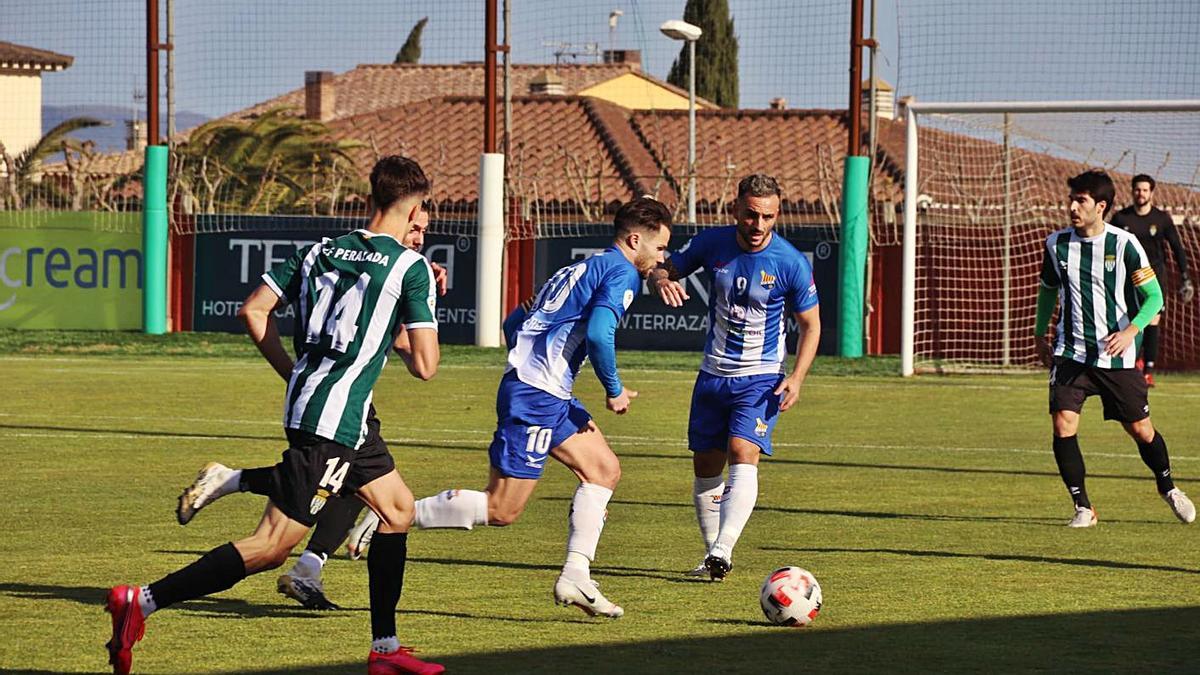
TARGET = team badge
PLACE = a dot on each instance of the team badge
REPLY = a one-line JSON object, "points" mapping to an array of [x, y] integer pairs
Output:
{"points": [[1153, 230], [1110, 263], [767, 280], [318, 501], [628, 299], [760, 427]]}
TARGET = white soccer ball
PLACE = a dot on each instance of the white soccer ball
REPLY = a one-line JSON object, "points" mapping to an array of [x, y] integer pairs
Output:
{"points": [[790, 597]]}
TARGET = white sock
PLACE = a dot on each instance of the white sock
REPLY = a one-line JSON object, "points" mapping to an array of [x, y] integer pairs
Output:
{"points": [[146, 602], [231, 484], [737, 503], [463, 509], [706, 495], [588, 512], [386, 645], [309, 565]]}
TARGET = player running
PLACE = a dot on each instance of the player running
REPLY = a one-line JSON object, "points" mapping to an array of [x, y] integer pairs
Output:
{"points": [[303, 581], [575, 315], [352, 295], [756, 278], [1109, 293]]}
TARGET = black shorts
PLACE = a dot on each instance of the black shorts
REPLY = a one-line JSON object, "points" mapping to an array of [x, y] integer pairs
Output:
{"points": [[314, 468], [1122, 390]]}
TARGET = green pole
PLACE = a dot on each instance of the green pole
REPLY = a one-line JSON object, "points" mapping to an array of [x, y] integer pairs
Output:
{"points": [[154, 241], [852, 263]]}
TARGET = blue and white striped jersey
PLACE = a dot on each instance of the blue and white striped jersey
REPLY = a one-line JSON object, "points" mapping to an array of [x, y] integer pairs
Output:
{"points": [[749, 300], [551, 344]]}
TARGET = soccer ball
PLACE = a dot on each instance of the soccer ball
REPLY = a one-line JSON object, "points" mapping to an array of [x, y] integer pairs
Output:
{"points": [[790, 597]]}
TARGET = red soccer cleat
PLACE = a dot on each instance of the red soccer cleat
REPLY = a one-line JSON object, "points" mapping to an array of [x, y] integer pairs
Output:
{"points": [[401, 662], [128, 626]]}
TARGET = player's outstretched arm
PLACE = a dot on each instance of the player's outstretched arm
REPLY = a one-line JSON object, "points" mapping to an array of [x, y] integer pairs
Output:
{"points": [[256, 314], [806, 350], [602, 352], [664, 279], [423, 353]]}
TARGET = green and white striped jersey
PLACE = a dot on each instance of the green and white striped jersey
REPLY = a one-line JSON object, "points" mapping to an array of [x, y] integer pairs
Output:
{"points": [[350, 294], [1097, 280]]}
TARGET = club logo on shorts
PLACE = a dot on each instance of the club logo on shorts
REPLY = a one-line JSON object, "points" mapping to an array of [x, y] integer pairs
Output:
{"points": [[1110, 263], [318, 501], [760, 427]]}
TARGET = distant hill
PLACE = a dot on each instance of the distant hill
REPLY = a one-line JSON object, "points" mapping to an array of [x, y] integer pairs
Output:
{"points": [[112, 137]]}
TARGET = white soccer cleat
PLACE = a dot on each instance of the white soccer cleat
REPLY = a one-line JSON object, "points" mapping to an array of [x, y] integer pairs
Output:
{"points": [[209, 486], [1085, 516], [699, 571], [360, 535], [586, 596], [1180, 505]]}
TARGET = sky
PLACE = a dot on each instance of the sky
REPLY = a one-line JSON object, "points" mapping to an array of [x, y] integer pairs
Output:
{"points": [[233, 53]]}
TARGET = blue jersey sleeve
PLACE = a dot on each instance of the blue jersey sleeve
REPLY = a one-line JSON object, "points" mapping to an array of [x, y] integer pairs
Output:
{"points": [[802, 289], [512, 324], [602, 348], [617, 287], [694, 253]]}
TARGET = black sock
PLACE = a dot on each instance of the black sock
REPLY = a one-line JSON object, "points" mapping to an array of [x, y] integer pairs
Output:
{"points": [[1154, 454], [257, 480], [1070, 467], [1149, 348], [334, 523], [385, 574], [215, 571]]}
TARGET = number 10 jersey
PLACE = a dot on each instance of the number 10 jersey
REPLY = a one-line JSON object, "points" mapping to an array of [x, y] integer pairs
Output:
{"points": [[350, 294]]}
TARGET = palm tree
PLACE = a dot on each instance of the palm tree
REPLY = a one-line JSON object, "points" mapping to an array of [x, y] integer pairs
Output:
{"points": [[22, 180], [274, 163]]}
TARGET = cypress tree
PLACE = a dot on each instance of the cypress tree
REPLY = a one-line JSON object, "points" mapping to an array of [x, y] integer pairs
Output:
{"points": [[411, 51], [716, 53]]}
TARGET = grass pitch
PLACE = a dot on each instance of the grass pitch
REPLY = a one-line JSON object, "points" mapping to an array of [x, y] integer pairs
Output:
{"points": [[930, 510]]}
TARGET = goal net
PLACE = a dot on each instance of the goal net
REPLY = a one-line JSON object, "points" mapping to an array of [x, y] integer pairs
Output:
{"points": [[990, 185]]}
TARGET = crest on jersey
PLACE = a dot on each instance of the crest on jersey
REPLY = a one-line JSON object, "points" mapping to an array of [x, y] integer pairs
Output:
{"points": [[1110, 263], [1153, 230], [760, 427], [318, 501], [767, 280], [628, 299]]}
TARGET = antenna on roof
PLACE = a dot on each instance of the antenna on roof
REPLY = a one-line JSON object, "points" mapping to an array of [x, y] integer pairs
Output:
{"points": [[574, 50], [139, 99], [612, 28]]}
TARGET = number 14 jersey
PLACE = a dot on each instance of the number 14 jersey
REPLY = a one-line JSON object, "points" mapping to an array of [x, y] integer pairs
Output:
{"points": [[350, 295]]}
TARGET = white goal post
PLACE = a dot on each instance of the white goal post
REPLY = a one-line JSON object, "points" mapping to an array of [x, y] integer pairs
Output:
{"points": [[999, 176]]}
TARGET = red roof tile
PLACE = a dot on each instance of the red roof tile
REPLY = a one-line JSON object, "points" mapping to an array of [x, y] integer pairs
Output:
{"points": [[382, 86], [558, 155]]}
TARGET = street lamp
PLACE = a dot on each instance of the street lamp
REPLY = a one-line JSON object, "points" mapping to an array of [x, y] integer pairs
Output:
{"points": [[682, 30]]}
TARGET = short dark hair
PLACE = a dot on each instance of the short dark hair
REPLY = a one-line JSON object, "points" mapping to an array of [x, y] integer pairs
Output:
{"points": [[759, 185], [645, 214], [395, 178], [1143, 178], [1096, 184]]}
